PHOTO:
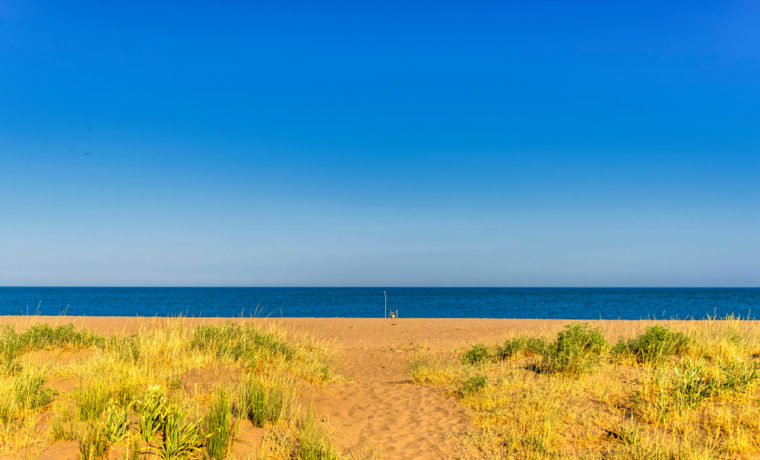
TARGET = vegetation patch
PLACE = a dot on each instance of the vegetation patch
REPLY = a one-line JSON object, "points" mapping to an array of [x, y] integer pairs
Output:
{"points": [[576, 350], [129, 397], [38, 337], [687, 393], [263, 401], [473, 385], [313, 444], [239, 342], [656, 343], [30, 393], [475, 355], [521, 346], [220, 426]]}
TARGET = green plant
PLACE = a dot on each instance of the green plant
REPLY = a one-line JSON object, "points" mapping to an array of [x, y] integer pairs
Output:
{"points": [[43, 336], [93, 443], [175, 383], [473, 385], [737, 375], [236, 342], [656, 343], [220, 427], [576, 350], [685, 385], [475, 355], [629, 436], [125, 348], [60, 432], [7, 411], [133, 451], [30, 393], [11, 347], [13, 344], [312, 443], [263, 402], [181, 437], [521, 346], [116, 424], [151, 412], [91, 402]]}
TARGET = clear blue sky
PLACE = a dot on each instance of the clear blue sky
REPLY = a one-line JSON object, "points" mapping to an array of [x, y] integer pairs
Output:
{"points": [[390, 143]]}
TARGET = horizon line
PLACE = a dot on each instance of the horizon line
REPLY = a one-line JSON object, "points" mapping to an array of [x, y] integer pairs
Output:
{"points": [[372, 287]]}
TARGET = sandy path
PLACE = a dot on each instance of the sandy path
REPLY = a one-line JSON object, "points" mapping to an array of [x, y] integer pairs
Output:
{"points": [[381, 412]]}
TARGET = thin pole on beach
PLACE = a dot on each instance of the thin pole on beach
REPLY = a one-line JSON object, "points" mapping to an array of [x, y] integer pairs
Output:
{"points": [[385, 313]]}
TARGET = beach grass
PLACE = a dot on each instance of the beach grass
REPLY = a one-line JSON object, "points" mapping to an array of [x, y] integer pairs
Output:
{"points": [[172, 391], [680, 391]]}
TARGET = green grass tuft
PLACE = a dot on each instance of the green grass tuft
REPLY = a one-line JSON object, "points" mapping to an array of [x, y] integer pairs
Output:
{"points": [[262, 402], [473, 385], [312, 442], [220, 427], [93, 443], [239, 342], [37, 337], [477, 354], [30, 393], [91, 402]]}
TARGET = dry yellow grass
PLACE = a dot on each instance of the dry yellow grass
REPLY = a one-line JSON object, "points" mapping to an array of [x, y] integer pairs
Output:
{"points": [[701, 402], [59, 385]]}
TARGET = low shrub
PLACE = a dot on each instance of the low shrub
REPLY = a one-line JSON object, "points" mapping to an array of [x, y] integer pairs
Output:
{"points": [[737, 375], [42, 336], [10, 347], [687, 383], [656, 343], [473, 385], [576, 350], [478, 353], [521, 346]]}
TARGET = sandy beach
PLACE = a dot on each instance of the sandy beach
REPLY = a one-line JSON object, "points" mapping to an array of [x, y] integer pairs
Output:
{"points": [[375, 408]]}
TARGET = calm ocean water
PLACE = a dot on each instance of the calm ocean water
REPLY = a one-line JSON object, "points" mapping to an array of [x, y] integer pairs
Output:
{"points": [[568, 303]]}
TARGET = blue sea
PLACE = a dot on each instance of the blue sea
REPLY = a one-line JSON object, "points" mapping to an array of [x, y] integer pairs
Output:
{"points": [[565, 303]]}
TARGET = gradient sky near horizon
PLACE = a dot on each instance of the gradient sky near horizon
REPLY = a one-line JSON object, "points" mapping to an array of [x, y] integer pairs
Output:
{"points": [[380, 143]]}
